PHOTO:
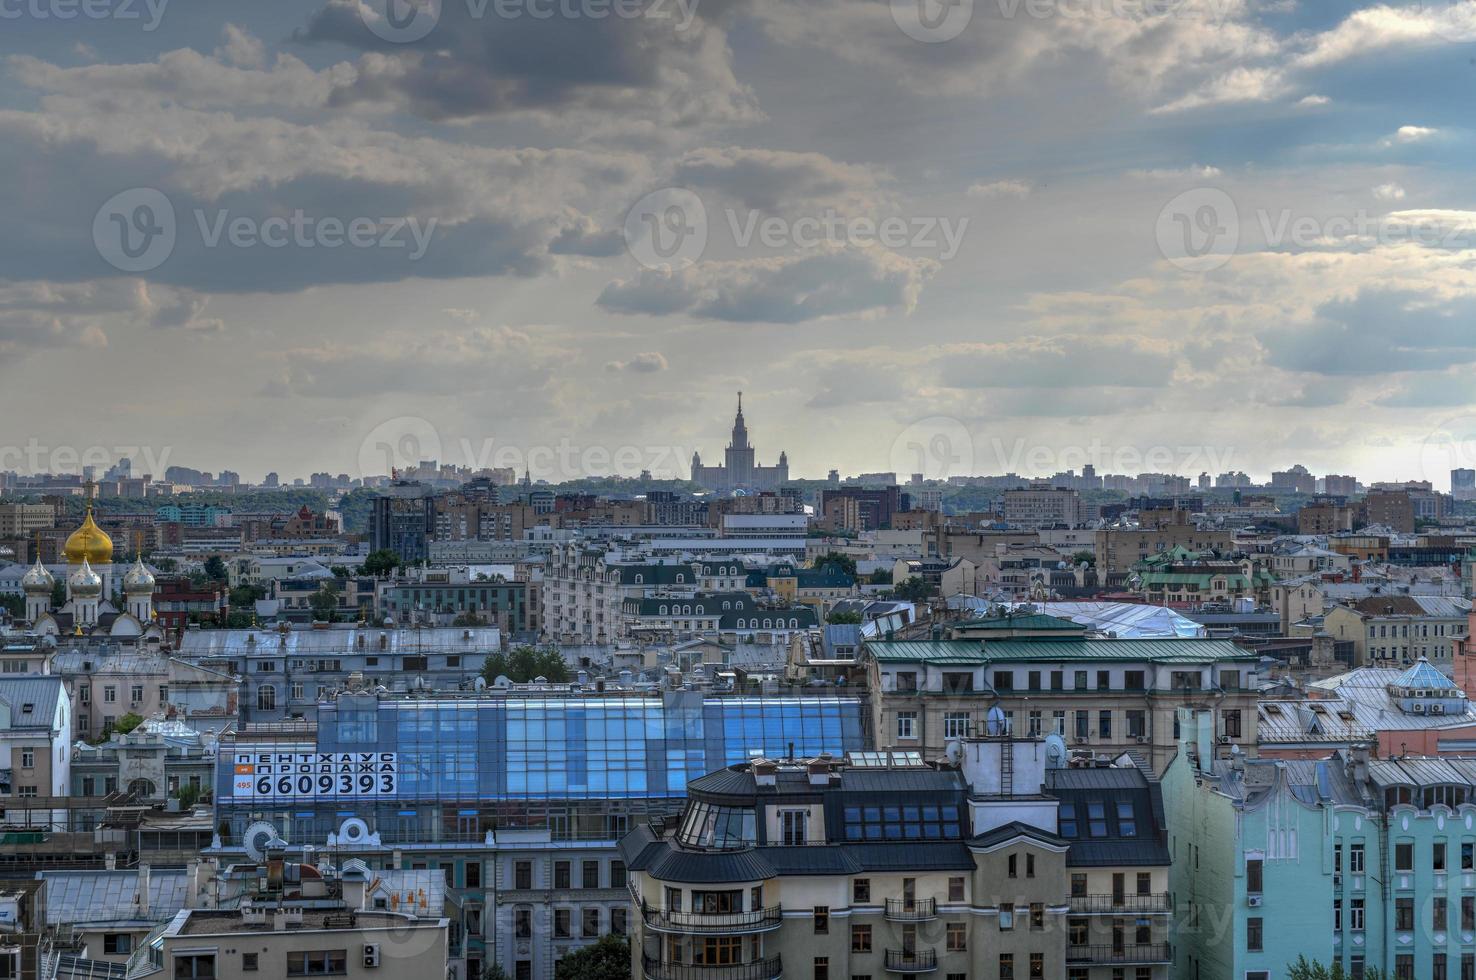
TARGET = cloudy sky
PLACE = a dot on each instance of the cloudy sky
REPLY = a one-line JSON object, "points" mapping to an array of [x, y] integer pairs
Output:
{"points": [[991, 235]]}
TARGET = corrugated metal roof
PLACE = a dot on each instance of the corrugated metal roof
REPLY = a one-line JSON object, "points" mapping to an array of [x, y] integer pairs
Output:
{"points": [[1046, 650], [42, 693], [296, 643]]}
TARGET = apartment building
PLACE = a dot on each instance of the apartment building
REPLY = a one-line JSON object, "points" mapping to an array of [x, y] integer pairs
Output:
{"points": [[1102, 695], [1120, 548], [1043, 505], [35, 736], [871, 867], [1395, 630]]}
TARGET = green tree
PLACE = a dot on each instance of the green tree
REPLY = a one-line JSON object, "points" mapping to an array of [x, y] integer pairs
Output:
{"points": [[59, 593], [838, 560], [13, 604], [341, 571], [469, 618], [127, 723], [1084, 558], [882, 576], [525, 663], [1305, 969], [324, 602], [165, 565], [188, 796], [380, 563], [608, 959], [215, 569], [494, 971], [245, 596], [843, 617], [914, 589]]}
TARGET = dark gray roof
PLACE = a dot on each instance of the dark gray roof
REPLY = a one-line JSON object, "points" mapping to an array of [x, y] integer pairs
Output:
{"points": [[665, 861], [1016, 829], [1112, 788]]}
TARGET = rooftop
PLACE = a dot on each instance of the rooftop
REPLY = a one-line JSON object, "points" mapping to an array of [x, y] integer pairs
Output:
{"points": [[974, 652]]}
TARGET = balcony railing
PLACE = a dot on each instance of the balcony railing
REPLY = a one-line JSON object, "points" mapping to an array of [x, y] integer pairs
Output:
{"points": [[1137, 953], [759, 920], [769, 969], [911, 909], [912, 960], [1109, 904]]}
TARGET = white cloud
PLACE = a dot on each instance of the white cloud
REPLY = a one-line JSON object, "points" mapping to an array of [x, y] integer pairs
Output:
{"points": [[1001, 188], [1389, 192]]}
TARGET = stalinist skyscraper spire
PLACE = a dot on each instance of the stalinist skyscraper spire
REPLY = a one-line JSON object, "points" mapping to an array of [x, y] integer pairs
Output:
{"points": [[740, 471]]}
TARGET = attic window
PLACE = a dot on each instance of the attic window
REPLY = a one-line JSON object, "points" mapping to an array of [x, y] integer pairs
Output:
{"points": [[1345, 715], [28, 708], [1318, 709], [1272, 709]]}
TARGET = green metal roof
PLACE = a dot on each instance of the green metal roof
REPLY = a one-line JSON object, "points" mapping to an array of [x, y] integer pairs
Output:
{"points": [[974, 652], [1036, 621]]}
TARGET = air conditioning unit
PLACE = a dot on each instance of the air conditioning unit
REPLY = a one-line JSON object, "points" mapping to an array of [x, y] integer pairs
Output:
{"points": [[1417, 708], [1142, 739], [371, 955], [1437, 709], [1224, 739], [1254, 901]]}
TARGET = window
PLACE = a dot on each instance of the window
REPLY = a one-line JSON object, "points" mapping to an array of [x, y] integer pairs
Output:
{"points": [[563, 924], [523, 874], [619, 924], [1404, 967], [1468, 913], [1355, 859], [1253, 934], [1355, 915], [822, 919], [248, 962], [1232, 723], [1253, 871], [792, 826], [135, 693], [1096, 818], [956, 724], [860, 939], [1440, 912], [1137, 724], [861, 891], [1037, 966], [1004, 680], [1006, 917], [956, 889], [590, 875], [195, 967], [28, 758], [822, 968], [1437, 856], [1404, 914], [474, 874], [1468, 856], [1403, 857], [1006, 966], [110, 694], [1337, 915], [907, 724], [591, 923], [617, 874], [318, 963], [266, 698], [1066, 819], [1012, 865], [117, 943], [1078, 885], [1030, 865], [1127, 824], [1104, 724], [1132, 680], [1037, 917], [522, 923], [1145, 883], [957, 937]]}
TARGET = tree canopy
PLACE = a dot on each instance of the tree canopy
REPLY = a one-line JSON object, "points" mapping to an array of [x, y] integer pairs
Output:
{"points": [[914, 589], [1305, 969], [525, 663], [838, 560], [842, 617], [380, 563], [608, 959]]}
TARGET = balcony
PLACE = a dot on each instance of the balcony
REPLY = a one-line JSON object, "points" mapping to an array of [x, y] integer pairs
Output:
{"points": [[912, 960], [1142, 954], [713, 923], [769, 969], [911, 909], [1156, 903]]}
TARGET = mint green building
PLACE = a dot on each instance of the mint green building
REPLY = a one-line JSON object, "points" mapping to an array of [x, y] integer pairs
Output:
{"points": [[1347, 859]]}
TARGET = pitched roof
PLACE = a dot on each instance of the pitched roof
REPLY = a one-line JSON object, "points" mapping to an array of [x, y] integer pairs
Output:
{"points": [[95, 898], [1422, 675]]}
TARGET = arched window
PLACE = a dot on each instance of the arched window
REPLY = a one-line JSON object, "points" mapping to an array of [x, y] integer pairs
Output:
{"points": [[266, 698], [142, 788], [663, 610], [640, 579]]}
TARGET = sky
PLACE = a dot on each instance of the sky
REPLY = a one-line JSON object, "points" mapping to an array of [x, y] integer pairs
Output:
{"points": [[935, 236]]}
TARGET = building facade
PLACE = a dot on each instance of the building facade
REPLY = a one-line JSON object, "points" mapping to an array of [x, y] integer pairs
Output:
{"points": [[740, 470]]}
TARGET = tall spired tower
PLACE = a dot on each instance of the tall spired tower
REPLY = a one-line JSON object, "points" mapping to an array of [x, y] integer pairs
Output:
{"points": [[739, 457]]}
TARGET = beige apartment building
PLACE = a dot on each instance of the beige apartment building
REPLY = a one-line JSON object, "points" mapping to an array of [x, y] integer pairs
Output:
{"points": [[35, 739], [20, 520], [1102, 696], [1397, 630], [1120, 548]]}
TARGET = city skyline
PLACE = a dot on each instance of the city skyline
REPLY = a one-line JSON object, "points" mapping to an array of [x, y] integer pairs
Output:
{"points": [[991, 231]]}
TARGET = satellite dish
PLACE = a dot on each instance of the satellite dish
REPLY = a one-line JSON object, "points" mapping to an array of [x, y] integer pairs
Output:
{"points": [[353, 831], [997, 723], [254, 842], [953, 752], [1056, 755]]}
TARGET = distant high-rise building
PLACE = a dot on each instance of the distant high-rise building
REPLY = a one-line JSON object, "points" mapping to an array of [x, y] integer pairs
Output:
{"points": [[740, 471], [1297, 480], [272, 480], [1463, 484], [1340, 486]]}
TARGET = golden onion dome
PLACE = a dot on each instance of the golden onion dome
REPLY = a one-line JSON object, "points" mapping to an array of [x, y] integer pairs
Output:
{"points": [[84, 583], [139, 579], [37, 581], [89, 543]]}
